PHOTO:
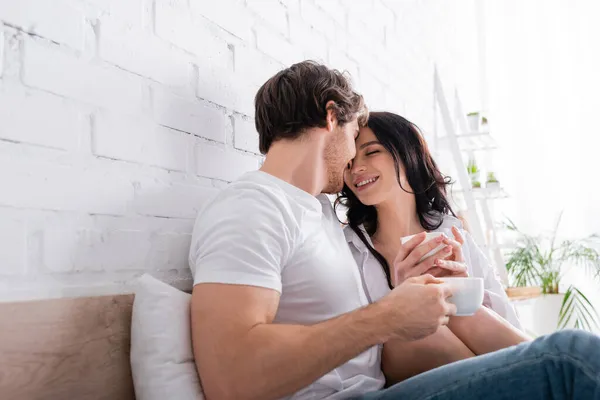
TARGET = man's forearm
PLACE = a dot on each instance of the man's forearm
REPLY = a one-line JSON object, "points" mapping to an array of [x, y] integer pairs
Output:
{"points": [[486, 331], [275, 360]]}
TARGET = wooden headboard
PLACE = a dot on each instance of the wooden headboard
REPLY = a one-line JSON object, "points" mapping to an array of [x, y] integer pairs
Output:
{"points": [[76, 348]]}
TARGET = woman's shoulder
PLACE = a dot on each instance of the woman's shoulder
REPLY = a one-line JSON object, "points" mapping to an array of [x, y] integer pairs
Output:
{"points": [[350, 234], [448, 221], [353, 238]]}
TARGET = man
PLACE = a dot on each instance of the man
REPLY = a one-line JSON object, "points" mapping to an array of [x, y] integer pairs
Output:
{"points": [[279, 308]]}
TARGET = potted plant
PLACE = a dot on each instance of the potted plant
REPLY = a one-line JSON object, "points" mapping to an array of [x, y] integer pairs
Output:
{"points": [[484, 124], [492, 182], [473, 169], [473, 120], [543, 263]]}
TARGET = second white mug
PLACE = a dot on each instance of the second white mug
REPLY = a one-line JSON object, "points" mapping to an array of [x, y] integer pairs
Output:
{"points": [[467, 294]]}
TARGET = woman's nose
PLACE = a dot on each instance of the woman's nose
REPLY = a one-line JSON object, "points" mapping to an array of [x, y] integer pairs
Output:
{"points": [[357, 168]]}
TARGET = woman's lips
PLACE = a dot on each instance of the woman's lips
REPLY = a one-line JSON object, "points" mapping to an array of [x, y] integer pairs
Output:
{"points": [[367, 185]]}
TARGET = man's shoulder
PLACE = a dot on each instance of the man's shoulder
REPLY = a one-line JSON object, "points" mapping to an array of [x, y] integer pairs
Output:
{"points": [[248, 200], [247, 196]]}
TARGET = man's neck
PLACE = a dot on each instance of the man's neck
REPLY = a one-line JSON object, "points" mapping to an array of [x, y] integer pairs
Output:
{"points": [[299, 163], [396, 218]]}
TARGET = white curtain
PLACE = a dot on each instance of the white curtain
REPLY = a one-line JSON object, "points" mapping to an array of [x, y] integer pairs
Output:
{"points": [[543, 67]]}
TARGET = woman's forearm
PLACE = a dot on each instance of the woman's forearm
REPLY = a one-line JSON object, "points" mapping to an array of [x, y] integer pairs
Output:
{"points": [[402, 360], [464, 337], [485, 331]]}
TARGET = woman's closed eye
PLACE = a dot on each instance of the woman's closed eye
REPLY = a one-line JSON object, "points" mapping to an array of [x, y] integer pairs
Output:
{"points": [[372, 152]]}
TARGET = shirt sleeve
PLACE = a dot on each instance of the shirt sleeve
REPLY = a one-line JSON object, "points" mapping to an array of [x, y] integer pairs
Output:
{"points": [[495, 297], [242, 239]]}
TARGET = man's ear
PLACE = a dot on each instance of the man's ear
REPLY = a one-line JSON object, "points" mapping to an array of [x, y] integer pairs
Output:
{"points": [[331, 117]]}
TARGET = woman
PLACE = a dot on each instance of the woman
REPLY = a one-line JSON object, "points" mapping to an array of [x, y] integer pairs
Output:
{"points": [[394, 189]]}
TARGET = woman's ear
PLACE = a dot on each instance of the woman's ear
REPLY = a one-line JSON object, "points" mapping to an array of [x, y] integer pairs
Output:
{"points": [[403, 181], [331, 117], [401, 174]]}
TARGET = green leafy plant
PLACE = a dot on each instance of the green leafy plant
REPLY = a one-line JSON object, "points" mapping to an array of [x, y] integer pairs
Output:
{"points": [[472, 114], [473, 171], [543, 263], [491, 177], [472, 167], [484, 121]]}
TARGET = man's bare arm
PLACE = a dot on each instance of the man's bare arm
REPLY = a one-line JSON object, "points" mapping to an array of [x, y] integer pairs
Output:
{"points": [[241, 354]]}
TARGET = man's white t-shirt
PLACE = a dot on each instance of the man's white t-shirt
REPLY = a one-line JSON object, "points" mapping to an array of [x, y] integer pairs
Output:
{"points": [[262, 231]]}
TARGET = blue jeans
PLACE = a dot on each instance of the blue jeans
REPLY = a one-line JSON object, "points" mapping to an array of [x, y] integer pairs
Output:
{"points": [[564, 365]]}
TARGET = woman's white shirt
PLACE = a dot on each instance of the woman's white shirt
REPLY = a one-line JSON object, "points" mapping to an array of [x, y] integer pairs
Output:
{"points": [[376, 285]]}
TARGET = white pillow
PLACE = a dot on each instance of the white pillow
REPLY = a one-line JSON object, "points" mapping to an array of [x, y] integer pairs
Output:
{"points": [[162, 361]]}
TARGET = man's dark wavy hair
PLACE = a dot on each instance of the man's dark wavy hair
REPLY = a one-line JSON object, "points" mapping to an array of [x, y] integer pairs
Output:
{"points": [[295, 99]]}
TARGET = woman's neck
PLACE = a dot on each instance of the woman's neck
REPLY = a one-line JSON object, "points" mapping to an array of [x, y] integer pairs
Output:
{"points": [[396, 219]]}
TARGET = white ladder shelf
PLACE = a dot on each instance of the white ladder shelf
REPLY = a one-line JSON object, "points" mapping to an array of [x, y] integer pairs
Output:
{"points": [[457, 131]]}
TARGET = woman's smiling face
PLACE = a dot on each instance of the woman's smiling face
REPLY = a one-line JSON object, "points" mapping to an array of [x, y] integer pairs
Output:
{"points": [[372, 175]]}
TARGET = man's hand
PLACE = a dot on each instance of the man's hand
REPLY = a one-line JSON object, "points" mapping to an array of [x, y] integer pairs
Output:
{"points": [[417, 308]]}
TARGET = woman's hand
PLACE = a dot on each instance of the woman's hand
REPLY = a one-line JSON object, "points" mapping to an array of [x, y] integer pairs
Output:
{"points": [[456, 243], [447, 262], [453, 264], [406, 264]]}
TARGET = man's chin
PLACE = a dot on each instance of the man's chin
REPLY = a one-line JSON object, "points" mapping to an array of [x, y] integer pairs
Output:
{"points": [[334, 187]]}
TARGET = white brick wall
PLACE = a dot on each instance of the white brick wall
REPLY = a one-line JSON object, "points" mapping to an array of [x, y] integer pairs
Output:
{"points": [[53, 69], [60, 21], [139, 141], [190, 115], [118, 119], [142, 53], [57, 121], [245, 134], [221, 163], [13, 248]]}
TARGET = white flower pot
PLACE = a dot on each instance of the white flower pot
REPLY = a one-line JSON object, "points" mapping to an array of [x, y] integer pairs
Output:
{"points": [[492, 185], [473, 122], [544, 313]]}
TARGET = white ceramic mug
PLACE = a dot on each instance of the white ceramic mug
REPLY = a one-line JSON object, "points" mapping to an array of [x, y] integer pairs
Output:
{"points": [[429, 236], [467, 294]]}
